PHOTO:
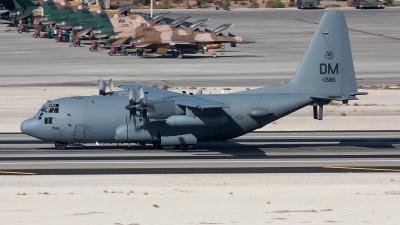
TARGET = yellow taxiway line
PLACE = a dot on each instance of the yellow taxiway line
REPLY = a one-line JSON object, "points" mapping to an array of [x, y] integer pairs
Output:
{"points": [[360, 168], [17, 173]]}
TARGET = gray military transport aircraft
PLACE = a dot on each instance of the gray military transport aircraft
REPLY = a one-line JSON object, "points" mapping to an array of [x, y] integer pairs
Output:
{"points": [[140, 114]]}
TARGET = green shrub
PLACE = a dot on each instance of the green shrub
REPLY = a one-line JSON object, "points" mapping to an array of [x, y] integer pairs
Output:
{"points": [[274, 4], [254, 5], [201, 3], [350, 3], [332, 5], [389, 3]]}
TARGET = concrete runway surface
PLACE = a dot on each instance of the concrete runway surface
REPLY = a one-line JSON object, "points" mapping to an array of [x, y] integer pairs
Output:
{"points": [[300, 152], [282, 35]]}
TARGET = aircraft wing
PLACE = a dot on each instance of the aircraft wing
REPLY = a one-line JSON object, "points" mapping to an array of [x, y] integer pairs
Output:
{"points": [[339, 97], [4, 11], [195, 102], [120, 41], [142, 45], [191, 101]]}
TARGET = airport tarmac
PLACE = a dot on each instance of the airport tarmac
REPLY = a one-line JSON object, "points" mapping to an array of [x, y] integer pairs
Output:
{"points": [[35, 70], [251, 153], [282, 35], [289, 178]]}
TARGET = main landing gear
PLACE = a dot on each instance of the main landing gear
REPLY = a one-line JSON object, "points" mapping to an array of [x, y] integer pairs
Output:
{"points": [[61, 145], [158, 145]]}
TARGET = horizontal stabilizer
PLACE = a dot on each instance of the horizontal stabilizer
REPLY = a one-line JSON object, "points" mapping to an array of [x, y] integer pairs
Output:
{"points": [[83, 32], [23, 15], [338, 97], [121, 41], [142, 45]]}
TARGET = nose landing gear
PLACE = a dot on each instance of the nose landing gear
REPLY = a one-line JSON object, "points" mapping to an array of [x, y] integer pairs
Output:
{"points": [[61, 145]]}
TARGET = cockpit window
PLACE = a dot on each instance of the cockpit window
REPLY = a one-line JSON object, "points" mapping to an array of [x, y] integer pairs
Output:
{"points": [[48, 120], [52, 108]]}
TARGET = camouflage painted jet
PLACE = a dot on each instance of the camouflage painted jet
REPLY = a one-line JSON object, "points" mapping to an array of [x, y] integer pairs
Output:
{"points": [[27, 9], [169, 120], [99, 24], [139, 32], [55, 10]]}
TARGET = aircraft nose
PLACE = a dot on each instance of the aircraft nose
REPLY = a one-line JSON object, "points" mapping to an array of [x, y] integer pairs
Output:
{"points": [[30, 127], [248, 40]]}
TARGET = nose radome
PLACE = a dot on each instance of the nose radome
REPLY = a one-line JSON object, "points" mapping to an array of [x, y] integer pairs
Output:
{"points": [[30, 127]]}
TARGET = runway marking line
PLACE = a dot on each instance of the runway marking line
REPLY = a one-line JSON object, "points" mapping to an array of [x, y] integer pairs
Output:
{"points": [[360, 168], [17, 173]]}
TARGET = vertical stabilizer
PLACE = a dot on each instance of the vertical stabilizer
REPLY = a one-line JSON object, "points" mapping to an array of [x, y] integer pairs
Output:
{"points": [[327, 66]]}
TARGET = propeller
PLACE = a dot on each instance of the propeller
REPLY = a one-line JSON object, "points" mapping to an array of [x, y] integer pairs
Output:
{"points": [[143, 105], [143, 98], [135, 108], [101, 84], [132, 105], [111, 86]]}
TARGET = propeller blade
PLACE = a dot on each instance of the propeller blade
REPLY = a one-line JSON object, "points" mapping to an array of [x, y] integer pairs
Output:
{"points": [[132, 106], [143, 98], [102, 87], [132, 97], [111, 85]]}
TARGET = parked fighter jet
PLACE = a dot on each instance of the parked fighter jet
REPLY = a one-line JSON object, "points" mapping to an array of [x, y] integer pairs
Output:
{"points": [[55, 10], [99, 24], [167, 119], [140, 33], [4, 13], [26, 8]]}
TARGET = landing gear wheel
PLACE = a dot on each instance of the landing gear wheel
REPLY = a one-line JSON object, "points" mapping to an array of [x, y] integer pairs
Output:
{"points": [[19, 31], [74, 44], [35, 36], [214, 55], [187, 147], [180, 55], [61, 145], [157, 145], [110, 54], [169, 147], [91, 49]]}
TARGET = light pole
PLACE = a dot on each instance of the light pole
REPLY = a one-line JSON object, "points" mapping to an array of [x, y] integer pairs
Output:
{"points": [[151, 8]]}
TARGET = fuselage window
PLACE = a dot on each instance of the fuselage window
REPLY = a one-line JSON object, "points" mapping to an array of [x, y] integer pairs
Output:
{"points": [[48, 120]]}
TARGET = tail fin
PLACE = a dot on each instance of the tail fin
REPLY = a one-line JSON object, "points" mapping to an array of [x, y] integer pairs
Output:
{"points": [[17, 5], [327, 66]]}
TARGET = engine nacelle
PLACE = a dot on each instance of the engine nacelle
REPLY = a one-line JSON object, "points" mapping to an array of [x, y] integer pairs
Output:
{"points": [[163, 109]]}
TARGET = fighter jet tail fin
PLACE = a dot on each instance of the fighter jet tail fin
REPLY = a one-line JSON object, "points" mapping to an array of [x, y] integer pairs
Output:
{"points": [[327, 66]]}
